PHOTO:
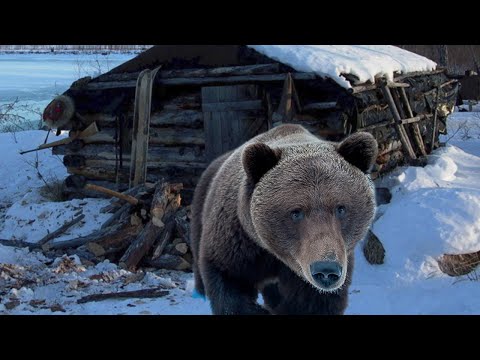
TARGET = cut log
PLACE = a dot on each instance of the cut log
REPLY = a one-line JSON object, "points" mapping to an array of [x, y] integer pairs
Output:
{"points": [[60, 230], [144, 293], [164, 204], [124, 208], [139, 247], [119, 231]]}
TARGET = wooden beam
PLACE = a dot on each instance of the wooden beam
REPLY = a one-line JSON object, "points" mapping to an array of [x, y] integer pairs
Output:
{"points": [[198, 73], [203, 81], [398, 124]]}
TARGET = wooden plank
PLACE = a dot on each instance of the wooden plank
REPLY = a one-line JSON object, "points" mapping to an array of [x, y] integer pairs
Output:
{"points": [[434, 128], [141, 129], [229, 126]]}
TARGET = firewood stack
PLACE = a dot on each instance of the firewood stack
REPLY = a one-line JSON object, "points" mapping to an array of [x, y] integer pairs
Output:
{"points": [[149, 227]]}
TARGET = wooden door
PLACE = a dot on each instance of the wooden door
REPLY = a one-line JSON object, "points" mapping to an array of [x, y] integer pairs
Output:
{"points": [[232, 115]]}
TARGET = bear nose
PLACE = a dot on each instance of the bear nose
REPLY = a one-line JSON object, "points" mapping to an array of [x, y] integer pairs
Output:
{"points": [[326, 273]]}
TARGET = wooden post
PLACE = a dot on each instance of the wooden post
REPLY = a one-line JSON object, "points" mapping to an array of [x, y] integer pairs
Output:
{"points": [[141, 127], [435, 113], [416, 130], [398, 124]]}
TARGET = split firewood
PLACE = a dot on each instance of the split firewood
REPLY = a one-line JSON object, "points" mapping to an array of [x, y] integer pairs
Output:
{"points": [[165, 238], [116, 216], [59, 231], [145, 293], [164, 205]]}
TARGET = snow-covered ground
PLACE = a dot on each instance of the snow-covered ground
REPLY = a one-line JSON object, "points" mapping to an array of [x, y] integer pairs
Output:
{"points": [[434, 210], [364, 61]]}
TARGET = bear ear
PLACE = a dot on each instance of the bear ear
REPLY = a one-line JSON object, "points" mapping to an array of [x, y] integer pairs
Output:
{"points": [[360, 150], [257, 159]]}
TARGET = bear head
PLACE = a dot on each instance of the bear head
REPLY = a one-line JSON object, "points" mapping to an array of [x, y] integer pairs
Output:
{"points": [[309, 204]]}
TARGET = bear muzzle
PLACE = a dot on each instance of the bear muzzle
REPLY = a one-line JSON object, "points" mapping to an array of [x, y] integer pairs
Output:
{"points": [[326, 274]]}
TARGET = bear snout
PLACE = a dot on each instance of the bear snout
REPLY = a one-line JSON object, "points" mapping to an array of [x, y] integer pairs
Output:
{"points": [[326, 274]]}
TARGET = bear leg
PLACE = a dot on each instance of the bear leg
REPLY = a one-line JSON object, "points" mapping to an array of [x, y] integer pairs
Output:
{"points": [[229, 296]]}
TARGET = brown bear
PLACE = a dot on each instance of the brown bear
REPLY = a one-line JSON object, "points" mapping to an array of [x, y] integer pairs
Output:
{"points": [[281, 215]]}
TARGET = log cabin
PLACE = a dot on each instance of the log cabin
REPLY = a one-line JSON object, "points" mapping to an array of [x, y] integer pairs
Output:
{"points": [[172, 109]]}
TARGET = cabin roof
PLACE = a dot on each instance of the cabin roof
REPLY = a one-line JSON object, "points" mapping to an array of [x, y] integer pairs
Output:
{"points": [[346, 65], [364, 62]]}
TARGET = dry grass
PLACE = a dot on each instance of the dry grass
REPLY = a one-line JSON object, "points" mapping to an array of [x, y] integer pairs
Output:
{"points": [[53, 191], [458, 265]]}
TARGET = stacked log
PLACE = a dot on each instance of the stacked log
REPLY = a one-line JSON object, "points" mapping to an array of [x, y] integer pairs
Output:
{"points": [[176, 146], [152, 230]]}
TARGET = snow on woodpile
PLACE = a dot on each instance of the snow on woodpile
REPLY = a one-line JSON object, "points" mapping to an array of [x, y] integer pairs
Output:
{"points": [[364, 61]]}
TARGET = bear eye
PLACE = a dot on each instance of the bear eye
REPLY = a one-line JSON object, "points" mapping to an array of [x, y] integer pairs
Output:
{"points": [[297, 215], [340, 211]]}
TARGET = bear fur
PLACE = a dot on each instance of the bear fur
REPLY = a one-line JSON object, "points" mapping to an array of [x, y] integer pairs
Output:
{"points": [[265, 213]]}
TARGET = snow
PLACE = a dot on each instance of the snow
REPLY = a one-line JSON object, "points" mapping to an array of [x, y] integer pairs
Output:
{"points": [[434, 210], [364, 61]]}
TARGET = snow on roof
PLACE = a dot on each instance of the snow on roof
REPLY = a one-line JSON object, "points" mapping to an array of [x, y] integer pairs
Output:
{"points": [[364, 61]]}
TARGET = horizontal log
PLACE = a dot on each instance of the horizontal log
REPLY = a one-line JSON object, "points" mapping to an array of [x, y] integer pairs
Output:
{"points": [[164, 136], [320, 106], [187, 118], [81, 162], [399, 78], [202, 81], [168, 136], [233, 106], [155, 153], [194, 73], [143, 293], [171, 172]]}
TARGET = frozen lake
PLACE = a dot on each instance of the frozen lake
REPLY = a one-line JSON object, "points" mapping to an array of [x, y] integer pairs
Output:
{"points": [[34, 79]]}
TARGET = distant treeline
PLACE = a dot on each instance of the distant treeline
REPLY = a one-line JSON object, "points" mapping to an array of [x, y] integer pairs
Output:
{"points": [[73, 48], [460, 58]]}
